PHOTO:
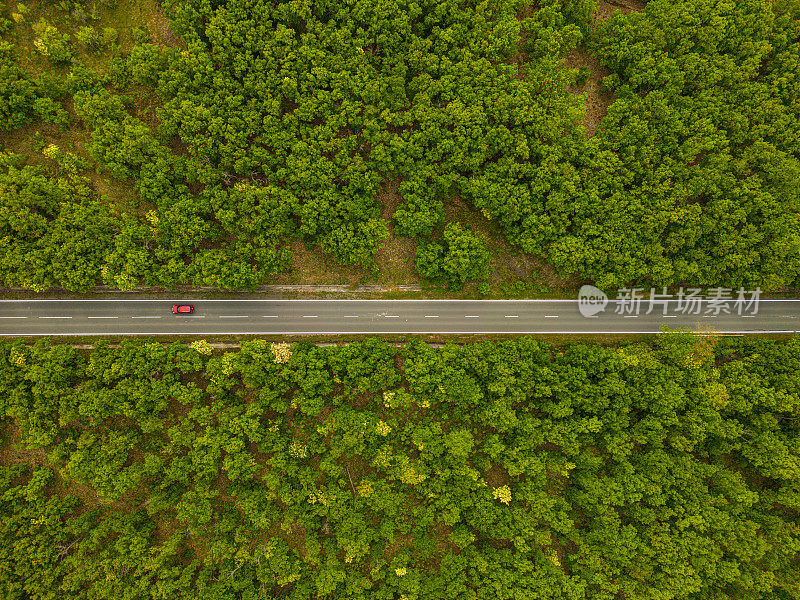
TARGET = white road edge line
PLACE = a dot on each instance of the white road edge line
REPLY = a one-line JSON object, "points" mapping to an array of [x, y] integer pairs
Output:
{"points": [[337, 301], [426, 332]]}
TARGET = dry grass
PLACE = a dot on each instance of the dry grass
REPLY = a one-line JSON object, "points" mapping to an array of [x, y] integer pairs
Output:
{"points": [[606, 8], [395, 259], [496, 476], [158, 26], [597, 100], [508, 265], [145, 14], [22, 141], [11, 453], [311, 266], [401, 542]]}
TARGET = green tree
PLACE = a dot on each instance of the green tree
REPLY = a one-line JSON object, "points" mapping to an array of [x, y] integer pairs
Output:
{"points": [[460, 256]]}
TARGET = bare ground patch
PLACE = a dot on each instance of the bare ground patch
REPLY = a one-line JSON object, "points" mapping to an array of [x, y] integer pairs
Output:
{"points": [[597, 100], [606, 8], [311, 266], [508, 265], [159, 27], [395, 258]]}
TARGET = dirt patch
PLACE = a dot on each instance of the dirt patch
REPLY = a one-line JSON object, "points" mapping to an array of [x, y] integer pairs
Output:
{"points": [[400, 542], [9, 455], [313, 267], [517, 266], [508, 265], [159, 27], [597, 100], [395, 258], [496, 476], [121, 192], [606, 8]]}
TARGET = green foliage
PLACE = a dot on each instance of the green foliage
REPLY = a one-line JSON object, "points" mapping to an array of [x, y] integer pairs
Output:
{"points": [[88, 36], [692, 177], [694, 173], [54, 233], [509, 470], [17, 94], [459, 257], [50, 43], [357, 244], [109, 37]]}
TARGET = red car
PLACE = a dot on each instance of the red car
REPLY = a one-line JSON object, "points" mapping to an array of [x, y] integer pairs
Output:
{"points": [[182, 309]]}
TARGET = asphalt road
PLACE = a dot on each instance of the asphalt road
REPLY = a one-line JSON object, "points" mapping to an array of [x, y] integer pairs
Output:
{"points": [[265, 317]]}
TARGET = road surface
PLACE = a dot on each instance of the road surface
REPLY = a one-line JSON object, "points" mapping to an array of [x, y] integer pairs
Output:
{"points": [[269, 317]]}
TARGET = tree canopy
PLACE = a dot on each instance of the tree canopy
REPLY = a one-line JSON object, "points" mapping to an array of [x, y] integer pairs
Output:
{"points": [[278, 120], [665, 469]]}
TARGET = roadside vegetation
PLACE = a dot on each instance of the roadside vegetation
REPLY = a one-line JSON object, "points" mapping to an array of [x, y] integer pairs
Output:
{"points": [[516, 469], [240, 143]]}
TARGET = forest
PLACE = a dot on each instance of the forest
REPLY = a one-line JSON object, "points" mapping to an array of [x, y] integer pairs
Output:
{"points": [[129, 160], [660, 469]]}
